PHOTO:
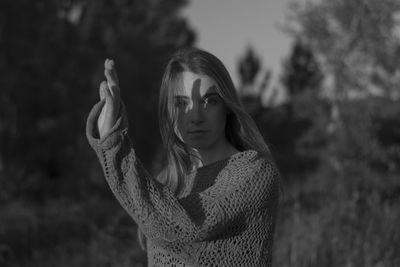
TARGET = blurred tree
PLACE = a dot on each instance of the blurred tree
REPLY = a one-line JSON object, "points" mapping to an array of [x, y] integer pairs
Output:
{"points": [[289, 126], [51, 55], [357, 45], [251, 88], [301, 71], [249, 66], [303, 78], [285, 125], [357, 42], [354, 136]]}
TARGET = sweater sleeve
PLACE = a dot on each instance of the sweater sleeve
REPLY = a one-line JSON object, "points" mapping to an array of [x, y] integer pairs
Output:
{"points": [[157, 211]]}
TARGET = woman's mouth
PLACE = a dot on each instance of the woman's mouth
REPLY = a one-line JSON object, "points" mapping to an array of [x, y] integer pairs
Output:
{"points": [[197, 131]]}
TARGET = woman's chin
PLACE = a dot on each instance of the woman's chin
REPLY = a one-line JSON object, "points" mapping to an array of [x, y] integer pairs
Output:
{"points": [[198, 145]]}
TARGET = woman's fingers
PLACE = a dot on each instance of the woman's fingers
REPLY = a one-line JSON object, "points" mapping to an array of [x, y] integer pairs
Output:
{"points": [[113, 71], [109, 91], [112, 78], [111, 102], [106, 93], [103, 90]]}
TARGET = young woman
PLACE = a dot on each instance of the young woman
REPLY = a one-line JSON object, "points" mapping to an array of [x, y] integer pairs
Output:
{"points": [[215, 202]]}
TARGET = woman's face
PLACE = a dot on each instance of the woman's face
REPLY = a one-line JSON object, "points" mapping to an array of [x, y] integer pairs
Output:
{"points": [[201, 112]]}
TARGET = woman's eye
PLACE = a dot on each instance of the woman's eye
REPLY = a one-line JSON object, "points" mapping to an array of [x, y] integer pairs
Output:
{"points": [[210, 101], [181, 103]]}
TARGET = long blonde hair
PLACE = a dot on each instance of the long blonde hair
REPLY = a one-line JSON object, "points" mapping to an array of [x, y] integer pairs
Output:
{"points": [[241, 131]]}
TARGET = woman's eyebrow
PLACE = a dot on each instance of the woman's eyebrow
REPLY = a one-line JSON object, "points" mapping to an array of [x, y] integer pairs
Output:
{"points": [[181, 96], [210, 94]]}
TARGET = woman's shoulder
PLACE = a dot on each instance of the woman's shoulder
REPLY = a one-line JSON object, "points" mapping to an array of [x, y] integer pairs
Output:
{"points": [[252, 164], [250, 158]]}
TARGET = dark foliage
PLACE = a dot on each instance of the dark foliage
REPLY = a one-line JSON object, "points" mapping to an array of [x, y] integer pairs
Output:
{"points": [[51, 57], [301, 70], [249, 66]]}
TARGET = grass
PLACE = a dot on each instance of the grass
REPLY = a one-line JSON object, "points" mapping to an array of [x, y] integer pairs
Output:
{"points": [[340, 219], [63, 232], [330, 218]]}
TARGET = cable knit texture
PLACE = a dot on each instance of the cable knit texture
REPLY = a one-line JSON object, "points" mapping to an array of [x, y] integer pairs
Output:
{"points": [[225, 217]]}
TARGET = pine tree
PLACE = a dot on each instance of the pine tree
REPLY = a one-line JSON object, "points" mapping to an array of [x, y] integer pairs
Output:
{"points": [[249, 66], [301, 71]]}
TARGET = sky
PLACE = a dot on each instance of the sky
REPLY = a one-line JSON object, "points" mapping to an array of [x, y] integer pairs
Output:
{"points": [[227, 27]]}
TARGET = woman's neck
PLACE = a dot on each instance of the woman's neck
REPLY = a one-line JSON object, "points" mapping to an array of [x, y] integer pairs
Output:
{"points": [[216, 153]]}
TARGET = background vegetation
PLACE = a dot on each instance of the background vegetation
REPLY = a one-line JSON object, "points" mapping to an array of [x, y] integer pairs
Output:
{"points": [[336, 138]]}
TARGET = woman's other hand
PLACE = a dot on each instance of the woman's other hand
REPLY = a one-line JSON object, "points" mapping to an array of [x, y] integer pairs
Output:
{"points": [[109, 90]]}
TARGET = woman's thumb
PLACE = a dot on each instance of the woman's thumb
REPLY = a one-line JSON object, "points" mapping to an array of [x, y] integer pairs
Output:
{"points": [[103, 90]]}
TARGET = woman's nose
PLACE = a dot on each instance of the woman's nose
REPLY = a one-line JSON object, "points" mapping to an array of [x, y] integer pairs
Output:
{"points": [[196, 113]]}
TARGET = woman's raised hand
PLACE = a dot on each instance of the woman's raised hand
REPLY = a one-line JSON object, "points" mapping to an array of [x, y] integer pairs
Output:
{"points": [[109, 90]]}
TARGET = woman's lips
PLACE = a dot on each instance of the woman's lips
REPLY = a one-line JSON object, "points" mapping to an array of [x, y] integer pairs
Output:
{"points": [[197, 131]]}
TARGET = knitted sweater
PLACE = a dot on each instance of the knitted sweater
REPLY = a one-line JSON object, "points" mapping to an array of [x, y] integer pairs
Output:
{"points": [[225, 217]]}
